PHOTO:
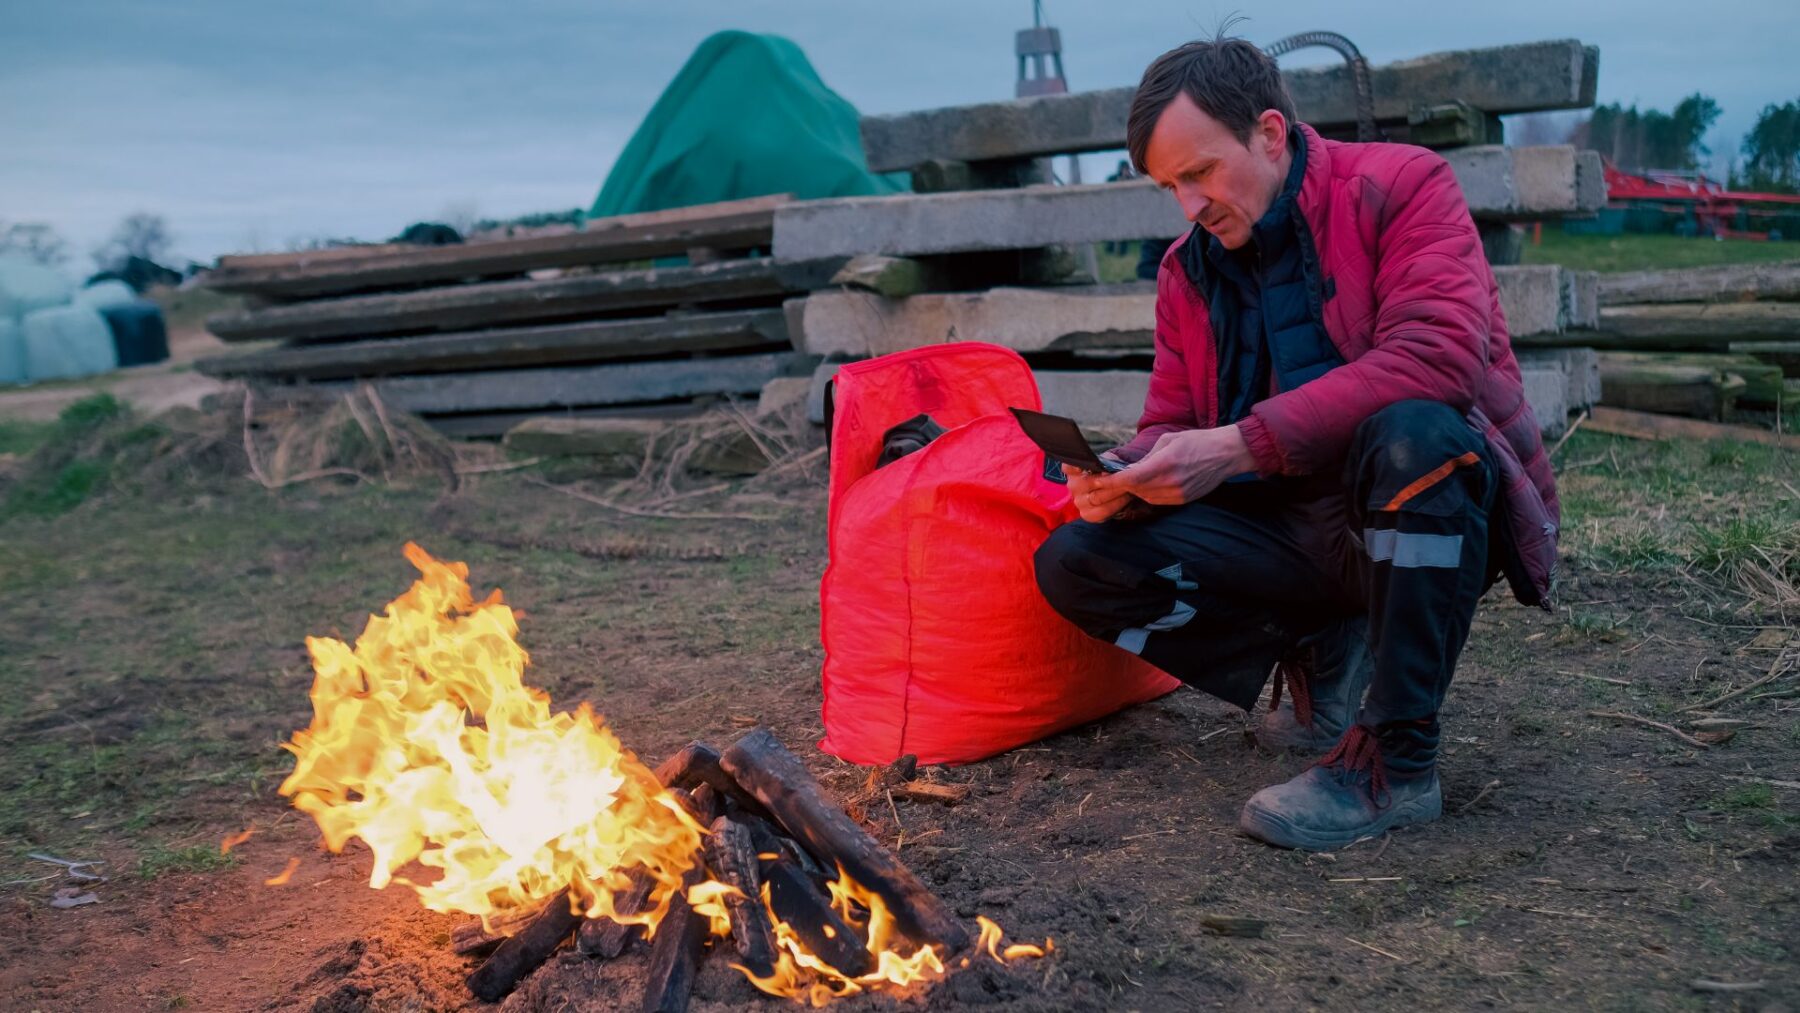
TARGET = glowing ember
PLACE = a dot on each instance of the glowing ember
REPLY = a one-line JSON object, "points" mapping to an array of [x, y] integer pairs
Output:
{"points": [[427, 746]]}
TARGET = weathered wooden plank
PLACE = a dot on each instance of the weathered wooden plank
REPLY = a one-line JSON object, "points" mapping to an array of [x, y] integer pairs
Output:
{"points": [[1650, 426], [1762, 380], [587, 341], [1529, 77], [464, 307], [1725, 283], [1704, 322], [1701, 392], [1785, 354], [1500, 183], [625, 383], [724, 226]]}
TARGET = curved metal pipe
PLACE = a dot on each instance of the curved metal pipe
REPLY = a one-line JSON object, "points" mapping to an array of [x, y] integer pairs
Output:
{"points": [[1359, 73]]}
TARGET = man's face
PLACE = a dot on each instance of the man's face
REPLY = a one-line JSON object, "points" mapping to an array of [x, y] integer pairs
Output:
{"points": [[1222, 184]]}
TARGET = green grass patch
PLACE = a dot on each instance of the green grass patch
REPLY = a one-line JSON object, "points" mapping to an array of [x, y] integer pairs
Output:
{"points": [[22, 437], [1632, 252], [193, 858], [1746, 796]]}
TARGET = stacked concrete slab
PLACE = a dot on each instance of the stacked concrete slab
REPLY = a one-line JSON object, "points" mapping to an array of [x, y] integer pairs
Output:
{"points": [[1696, 341], [1091, 344], [476, 336]]}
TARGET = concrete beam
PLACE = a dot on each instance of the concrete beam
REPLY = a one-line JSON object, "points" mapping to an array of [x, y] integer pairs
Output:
{"points": [[1529, 77], [1115, 398], [581, 386], [859, 324], [1503, 183]]}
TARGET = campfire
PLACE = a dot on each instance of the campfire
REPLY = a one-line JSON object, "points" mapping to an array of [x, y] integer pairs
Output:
{"points": [[428, 747]]}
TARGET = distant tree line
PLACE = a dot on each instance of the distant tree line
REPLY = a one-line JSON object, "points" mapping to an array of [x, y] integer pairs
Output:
{"points": [[1645, 140], [1637, 141]]}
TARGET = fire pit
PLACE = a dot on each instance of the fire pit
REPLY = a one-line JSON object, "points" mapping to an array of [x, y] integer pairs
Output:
{"points": [[427, 745]]}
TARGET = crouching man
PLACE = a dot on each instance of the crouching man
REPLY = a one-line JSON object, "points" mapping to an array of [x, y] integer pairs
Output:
{"points": [[1336, 446]]}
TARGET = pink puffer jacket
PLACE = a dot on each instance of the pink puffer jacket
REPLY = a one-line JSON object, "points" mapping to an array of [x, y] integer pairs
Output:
{"points": [[1411, 304]]}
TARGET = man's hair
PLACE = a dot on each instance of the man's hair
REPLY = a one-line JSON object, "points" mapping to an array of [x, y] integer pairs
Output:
{"points": [[1228, 78]]}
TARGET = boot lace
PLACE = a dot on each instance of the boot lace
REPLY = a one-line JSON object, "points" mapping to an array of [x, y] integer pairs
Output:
{"points": [[1360, 752], [1295, 669]]}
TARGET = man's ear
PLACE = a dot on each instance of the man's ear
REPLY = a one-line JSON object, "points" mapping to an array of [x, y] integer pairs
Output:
{"points": [[1272, 133]]}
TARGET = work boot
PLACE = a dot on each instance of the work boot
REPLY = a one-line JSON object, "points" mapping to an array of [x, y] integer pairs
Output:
{"points": [[1325, 675], [1350, 794]]}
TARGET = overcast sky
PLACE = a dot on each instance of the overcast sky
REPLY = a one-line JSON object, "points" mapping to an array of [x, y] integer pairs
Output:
{"points": [[251, 124]]}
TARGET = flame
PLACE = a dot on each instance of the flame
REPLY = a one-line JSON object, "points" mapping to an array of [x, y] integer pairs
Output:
{"points": [[236, 839], [281, 878], [428, 747], [991, 936]]}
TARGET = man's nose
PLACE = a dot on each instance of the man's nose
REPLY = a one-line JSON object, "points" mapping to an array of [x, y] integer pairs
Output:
{"points": [[1193, 202]]}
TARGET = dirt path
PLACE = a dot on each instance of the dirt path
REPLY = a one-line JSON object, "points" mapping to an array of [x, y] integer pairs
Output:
{"points": [[153, 664]]}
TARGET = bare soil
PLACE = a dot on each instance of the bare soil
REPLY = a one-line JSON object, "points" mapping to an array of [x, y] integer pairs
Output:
{"points": [[153, 661]]}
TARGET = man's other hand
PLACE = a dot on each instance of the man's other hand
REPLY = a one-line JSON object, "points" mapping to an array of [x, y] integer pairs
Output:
{"points": [[1096, 505], [1181, 468]]}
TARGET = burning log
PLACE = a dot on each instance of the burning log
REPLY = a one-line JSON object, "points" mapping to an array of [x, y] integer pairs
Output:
{"points": [[697, 763], [675, 955], [764, 767], [605, 938], [474, 939], [521, 954], [797, 900], [731, 852]]}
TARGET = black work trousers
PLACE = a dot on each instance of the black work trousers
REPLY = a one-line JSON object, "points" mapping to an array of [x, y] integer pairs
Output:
{"points": [[1215, 591]]}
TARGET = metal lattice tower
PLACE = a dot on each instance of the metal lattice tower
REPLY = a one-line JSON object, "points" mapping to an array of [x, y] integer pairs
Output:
{"points": [[1039, 50]]}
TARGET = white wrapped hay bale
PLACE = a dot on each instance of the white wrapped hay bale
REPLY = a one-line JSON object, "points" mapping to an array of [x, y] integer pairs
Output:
{"points": [[66, 341], [102, 294], [12, 353], [26, 285]]}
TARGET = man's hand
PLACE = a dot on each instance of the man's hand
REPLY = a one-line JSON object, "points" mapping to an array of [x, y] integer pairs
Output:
{"points": [[1181, 468], [1095, 504]]}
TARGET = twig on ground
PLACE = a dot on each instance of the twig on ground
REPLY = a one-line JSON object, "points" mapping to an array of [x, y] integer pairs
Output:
{"points": [[789, 464], [1762, 780], [1560, 914], [1377, 949], [589, 497], [1483, 793], [256, 471], [1579, 419], [1596, 678], [1703, 985], [484, 469], [1776, 671], [1216, 731], [1646, 722]]}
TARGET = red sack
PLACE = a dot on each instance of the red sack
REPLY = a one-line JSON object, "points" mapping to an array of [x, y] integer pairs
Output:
{"points": [[937, 641]]}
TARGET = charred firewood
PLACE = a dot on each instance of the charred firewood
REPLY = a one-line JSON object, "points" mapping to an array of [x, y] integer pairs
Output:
{"points": [[698, 763], [731, 852], [765, 768], [676, 952], [605, 938], [474, 940], [795, 899], [521, 954], [687, 766]]}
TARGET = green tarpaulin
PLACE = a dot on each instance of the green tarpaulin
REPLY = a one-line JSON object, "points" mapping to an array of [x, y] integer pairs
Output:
{"points": [[746, 116]]}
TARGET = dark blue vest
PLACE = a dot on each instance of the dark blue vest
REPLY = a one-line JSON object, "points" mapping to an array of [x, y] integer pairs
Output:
{"points": [[1265, 300]]}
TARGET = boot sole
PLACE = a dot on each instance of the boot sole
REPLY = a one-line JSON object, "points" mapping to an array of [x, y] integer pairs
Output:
{"points": [[1273, 828]]}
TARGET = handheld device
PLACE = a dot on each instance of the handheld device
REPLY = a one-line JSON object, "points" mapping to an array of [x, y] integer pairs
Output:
{"points": [[1061, 438]]}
